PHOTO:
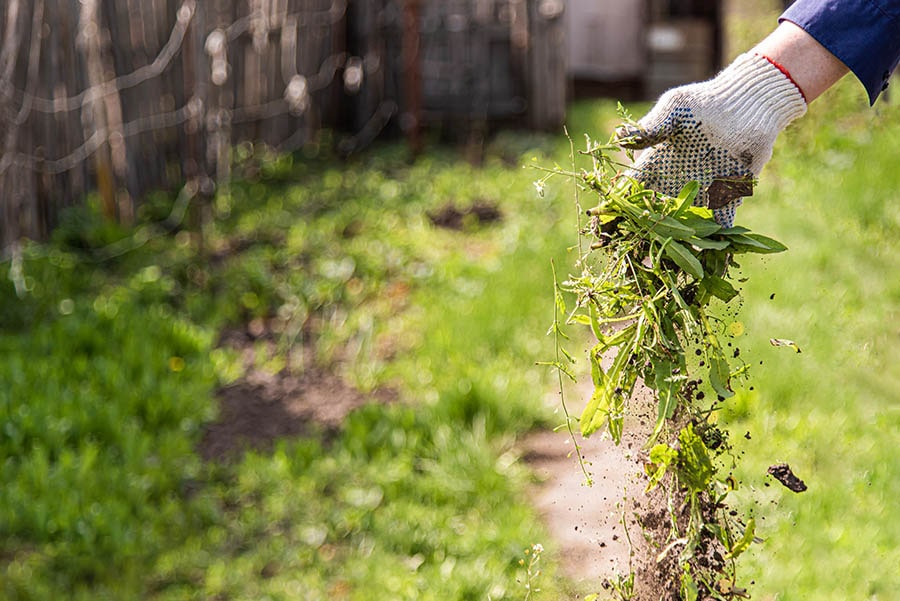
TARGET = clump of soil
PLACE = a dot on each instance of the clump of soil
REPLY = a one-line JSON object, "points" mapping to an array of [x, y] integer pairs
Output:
{"points": [[482, 212], [263, 407], [783, 473]]}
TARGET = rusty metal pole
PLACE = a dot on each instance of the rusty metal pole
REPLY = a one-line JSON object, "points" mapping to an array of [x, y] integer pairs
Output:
{"points": [[411, 120]]}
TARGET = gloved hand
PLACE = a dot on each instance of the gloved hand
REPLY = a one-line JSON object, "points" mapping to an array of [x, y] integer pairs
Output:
{"points": [[719, 132]]}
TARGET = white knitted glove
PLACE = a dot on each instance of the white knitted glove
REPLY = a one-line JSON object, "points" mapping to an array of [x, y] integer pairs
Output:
{"points": [[719, 132]]}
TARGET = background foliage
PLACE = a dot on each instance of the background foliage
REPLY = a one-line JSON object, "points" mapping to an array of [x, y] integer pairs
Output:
{"points": [[112, 365]]}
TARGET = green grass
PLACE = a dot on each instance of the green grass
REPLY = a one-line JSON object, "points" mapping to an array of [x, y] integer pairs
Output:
{"points": [[830, 194], [111, 366]]}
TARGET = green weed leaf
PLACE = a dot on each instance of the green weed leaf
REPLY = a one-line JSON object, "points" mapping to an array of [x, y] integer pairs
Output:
{"points": [[560, 366], [684, 259], [689, 590], [667, 391], [734, 230], [755, 243], [661, 458], [744, 542], [694, 464], [559, 300], [668, 227], [687, 196], [597, 374], [708, 243], [595, 321], [703, 227], [719, 376], [719, 288], [596, 412], [771, 245]]}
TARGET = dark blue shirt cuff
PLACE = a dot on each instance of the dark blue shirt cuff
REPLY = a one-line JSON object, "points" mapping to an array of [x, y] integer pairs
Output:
{"points": [[863, 34]]}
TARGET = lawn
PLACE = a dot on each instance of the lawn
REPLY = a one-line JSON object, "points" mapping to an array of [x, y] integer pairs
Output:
{"points": [[114, 342], [830, 194]]}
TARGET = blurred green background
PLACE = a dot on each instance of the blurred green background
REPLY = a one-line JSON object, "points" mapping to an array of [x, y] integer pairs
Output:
{"points": [[111, 367]]}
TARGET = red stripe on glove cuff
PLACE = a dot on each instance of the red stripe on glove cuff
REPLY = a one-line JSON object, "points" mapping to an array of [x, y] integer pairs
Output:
{"points": [[787, 74]]}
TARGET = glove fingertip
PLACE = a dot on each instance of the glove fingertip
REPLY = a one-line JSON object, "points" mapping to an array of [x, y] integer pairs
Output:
{"points": [[632, 136]]}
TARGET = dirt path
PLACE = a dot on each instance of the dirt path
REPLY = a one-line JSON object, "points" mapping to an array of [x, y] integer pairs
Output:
{"points": [[586, 522]]}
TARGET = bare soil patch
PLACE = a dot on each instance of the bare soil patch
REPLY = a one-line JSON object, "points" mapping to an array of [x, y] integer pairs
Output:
{"points": [[263, 407], [450, 216]]}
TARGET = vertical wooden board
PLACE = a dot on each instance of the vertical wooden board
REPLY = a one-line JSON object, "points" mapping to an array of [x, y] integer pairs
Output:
{"points": [[11, 27], [194, 82], [547, 87], [129, 48], [65, 125], [605, 40], [166, 140], [365, 41]]}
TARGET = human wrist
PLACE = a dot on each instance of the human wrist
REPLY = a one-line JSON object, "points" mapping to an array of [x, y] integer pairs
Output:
{"points": [[809, 63]]}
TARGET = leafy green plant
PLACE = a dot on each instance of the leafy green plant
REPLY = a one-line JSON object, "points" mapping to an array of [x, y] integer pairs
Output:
{"points": [[655, 284]]}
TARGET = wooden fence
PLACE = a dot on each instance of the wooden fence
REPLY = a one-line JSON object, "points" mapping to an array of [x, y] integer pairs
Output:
{"points": [[121, 97]]}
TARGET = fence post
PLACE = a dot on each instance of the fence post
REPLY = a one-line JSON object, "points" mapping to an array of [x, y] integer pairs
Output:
{"points": [[9, 54], [102, 119], [412, 76], [547, 62]]}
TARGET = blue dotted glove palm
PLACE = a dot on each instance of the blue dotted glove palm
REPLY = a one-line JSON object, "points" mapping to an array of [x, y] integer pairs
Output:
{"points": [[719, 132]]}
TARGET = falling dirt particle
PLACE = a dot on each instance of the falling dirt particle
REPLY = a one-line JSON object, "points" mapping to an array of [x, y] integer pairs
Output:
{"points": [[782, 472], [772, 296], [747, 435]]}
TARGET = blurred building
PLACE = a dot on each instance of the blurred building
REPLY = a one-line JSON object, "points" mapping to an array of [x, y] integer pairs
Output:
{"points": [[637, 49]]}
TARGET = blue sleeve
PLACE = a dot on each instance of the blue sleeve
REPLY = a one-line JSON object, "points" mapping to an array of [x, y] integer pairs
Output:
{"points": [[863, 34]]}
